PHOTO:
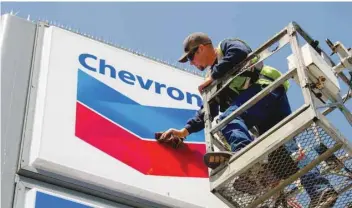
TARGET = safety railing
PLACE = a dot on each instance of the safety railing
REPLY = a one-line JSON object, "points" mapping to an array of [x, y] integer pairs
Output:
{"points": [[265, 173]]}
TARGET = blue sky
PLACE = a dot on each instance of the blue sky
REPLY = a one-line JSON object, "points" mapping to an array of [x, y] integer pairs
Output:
{"points": [[158, 29]]}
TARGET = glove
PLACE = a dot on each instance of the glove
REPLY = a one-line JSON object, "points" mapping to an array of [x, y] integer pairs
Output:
{"points": [[172, 140]]}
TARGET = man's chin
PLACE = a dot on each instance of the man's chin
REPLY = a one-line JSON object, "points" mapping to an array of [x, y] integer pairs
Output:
{"points": [[201, 68]]}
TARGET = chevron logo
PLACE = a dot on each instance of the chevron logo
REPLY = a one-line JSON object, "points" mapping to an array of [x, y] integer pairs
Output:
{"points": [[124, 129]]}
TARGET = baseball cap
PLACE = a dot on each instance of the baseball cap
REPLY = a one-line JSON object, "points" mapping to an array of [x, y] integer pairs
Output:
{"points": [[192, 41]]}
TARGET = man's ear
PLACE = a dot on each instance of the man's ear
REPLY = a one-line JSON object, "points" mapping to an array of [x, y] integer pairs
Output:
{"points": [[201, 47]]}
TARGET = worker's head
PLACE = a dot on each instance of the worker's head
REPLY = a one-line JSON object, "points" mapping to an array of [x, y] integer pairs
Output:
{"points": [[198, 50]]}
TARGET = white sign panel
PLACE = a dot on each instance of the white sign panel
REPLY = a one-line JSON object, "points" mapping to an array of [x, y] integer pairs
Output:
{"points": [[97, 110]]}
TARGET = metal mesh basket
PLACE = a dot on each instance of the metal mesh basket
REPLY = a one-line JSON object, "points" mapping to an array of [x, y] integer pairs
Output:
{"points": [[265, 184]]}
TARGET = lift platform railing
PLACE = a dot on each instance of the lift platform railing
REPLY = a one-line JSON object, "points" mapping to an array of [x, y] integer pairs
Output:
{"points": [[307, 126]]}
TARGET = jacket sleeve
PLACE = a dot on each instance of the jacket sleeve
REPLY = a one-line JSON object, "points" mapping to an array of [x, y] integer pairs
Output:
{"points": [[234, 53], [196, 123]]}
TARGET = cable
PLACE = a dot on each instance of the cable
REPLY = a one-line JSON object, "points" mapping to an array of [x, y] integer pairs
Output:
{"points": [[350, 88]]}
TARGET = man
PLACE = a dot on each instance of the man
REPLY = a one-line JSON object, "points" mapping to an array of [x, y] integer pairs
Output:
{"points": [[200, 52]]}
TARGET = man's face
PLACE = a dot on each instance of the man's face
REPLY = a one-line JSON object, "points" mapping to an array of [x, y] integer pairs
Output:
{"points": [[197, 58]]}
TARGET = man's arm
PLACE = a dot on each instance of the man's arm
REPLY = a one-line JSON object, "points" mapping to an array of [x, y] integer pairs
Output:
{"points": [[234, 53], [196, 123], [193, 125]]}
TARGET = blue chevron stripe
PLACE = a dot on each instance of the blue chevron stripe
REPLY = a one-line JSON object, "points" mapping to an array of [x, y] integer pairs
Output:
{"points": [[141, 120]]}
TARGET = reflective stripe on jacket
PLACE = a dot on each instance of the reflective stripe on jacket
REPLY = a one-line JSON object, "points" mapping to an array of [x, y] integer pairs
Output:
{"points": [[267, 74]]}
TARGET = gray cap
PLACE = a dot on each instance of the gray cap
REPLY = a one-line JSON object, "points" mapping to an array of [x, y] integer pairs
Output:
{"points": [[192, 41]]}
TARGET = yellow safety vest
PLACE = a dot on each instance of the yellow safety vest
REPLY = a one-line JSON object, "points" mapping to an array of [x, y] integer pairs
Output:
{"points": [[242, 82]]}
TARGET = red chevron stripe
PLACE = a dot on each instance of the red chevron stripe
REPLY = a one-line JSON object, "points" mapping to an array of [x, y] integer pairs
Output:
{"points": [[148, 157]]}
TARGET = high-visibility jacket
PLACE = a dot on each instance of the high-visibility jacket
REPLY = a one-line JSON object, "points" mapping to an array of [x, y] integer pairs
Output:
{"points": [[265, 74]]}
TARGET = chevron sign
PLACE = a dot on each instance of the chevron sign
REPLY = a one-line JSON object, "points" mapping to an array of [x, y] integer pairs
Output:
{"points": [[113, 122]]}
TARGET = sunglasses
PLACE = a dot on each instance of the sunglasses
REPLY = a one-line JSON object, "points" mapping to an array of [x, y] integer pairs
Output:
{"points": [[193, 51], [191, 54]]}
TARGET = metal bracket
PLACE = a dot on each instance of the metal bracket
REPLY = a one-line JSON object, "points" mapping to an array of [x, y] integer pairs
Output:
{"points": [[320, 83], [336, 104], [291, 29]]}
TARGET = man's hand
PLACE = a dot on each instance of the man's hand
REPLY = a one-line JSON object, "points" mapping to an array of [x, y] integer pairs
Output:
{"points": [[206, 83], [179, 133], [172, 137]]}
